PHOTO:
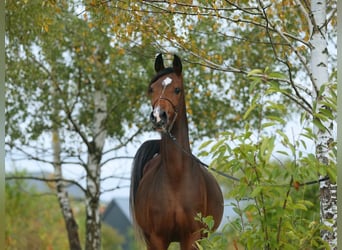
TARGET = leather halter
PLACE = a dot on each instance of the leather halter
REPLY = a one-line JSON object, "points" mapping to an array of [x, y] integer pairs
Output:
{"points": [[174, 107], [168, 100]]}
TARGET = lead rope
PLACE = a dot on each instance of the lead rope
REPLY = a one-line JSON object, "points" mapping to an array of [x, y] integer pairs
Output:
{"points": [[227, 175]]}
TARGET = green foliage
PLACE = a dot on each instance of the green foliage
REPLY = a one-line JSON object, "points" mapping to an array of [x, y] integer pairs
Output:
{"points": [[213, 240], [274, 208], [112, 44], [33, 220], [276, 202], [84, 58], [110, 238]]}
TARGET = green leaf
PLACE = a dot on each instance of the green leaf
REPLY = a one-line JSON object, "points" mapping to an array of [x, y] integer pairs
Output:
{"points": [[277, 118], [256, 191], [255, 72], [300, 206], [205, 144], [332, 174], [267, 124], [282, 152], [252, 107], [317, 122], [277, 75]]}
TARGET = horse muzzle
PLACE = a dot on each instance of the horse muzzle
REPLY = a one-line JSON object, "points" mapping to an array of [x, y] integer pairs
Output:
{"points": [[159, 118]]}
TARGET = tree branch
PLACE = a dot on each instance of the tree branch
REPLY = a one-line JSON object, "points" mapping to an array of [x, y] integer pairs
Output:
{"points": [[73, 182], [116, 158]]}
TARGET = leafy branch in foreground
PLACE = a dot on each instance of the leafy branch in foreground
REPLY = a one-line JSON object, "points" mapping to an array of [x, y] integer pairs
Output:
{"points": [[275, 203]]}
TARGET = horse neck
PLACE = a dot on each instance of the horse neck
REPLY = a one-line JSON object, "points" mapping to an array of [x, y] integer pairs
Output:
{"points": [[175, 148]]}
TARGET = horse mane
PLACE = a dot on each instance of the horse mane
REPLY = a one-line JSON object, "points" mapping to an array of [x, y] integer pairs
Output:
{"points": [[145, 153]]}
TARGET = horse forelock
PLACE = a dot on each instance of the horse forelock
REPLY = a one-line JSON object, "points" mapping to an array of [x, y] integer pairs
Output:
{"points": [[162, 73]]}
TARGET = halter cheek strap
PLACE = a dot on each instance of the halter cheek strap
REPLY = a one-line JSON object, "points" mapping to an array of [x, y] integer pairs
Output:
{"points": [[173, 121]]}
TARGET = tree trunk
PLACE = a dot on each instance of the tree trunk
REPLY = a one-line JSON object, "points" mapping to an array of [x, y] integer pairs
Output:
{"points": [[93, 222], [70, 222], [319, 69]]}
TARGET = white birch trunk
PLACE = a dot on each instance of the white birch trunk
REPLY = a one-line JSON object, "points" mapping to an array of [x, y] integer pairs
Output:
{"points": [[319, 69], [62, 195], [93, 222]]}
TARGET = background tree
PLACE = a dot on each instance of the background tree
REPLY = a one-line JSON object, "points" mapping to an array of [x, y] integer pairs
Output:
{"points": [[66, 79]]}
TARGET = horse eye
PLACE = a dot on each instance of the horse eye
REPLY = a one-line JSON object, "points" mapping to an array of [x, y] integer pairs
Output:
{"points": [[177, 90], [150, 90]]}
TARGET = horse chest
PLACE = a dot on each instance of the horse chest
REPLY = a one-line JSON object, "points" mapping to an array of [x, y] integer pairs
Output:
{"points": [[169, 200]]}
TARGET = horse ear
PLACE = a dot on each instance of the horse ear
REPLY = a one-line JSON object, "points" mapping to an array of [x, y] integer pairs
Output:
{"points": [[159, 63], [177, 65]]}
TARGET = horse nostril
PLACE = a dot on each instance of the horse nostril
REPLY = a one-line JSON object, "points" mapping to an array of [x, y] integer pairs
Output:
{"points": [[163, 115], [152, 117]]}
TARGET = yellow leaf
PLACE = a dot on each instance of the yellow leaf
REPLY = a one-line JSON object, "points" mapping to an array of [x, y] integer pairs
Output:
{"points": [[129, 29], [121, 51], [249, 216], [46, 27]]}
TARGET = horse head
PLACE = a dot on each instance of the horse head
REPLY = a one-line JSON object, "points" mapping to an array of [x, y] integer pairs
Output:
{"points": [[167, 94]]}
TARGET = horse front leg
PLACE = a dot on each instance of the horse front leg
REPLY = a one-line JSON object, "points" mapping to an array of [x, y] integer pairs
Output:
{"points": [[154, 242], [189, 243]]}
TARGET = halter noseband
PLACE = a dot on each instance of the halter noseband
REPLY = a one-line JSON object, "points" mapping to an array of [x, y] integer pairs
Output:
{"points": [[168, 100]]}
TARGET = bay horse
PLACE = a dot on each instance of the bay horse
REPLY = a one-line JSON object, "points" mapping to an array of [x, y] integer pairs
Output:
{"points": [[169, 186]]}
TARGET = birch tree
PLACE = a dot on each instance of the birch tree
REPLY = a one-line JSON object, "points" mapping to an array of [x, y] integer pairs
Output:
{"points": [[95, 148], [62, 194], [324, 128]]}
